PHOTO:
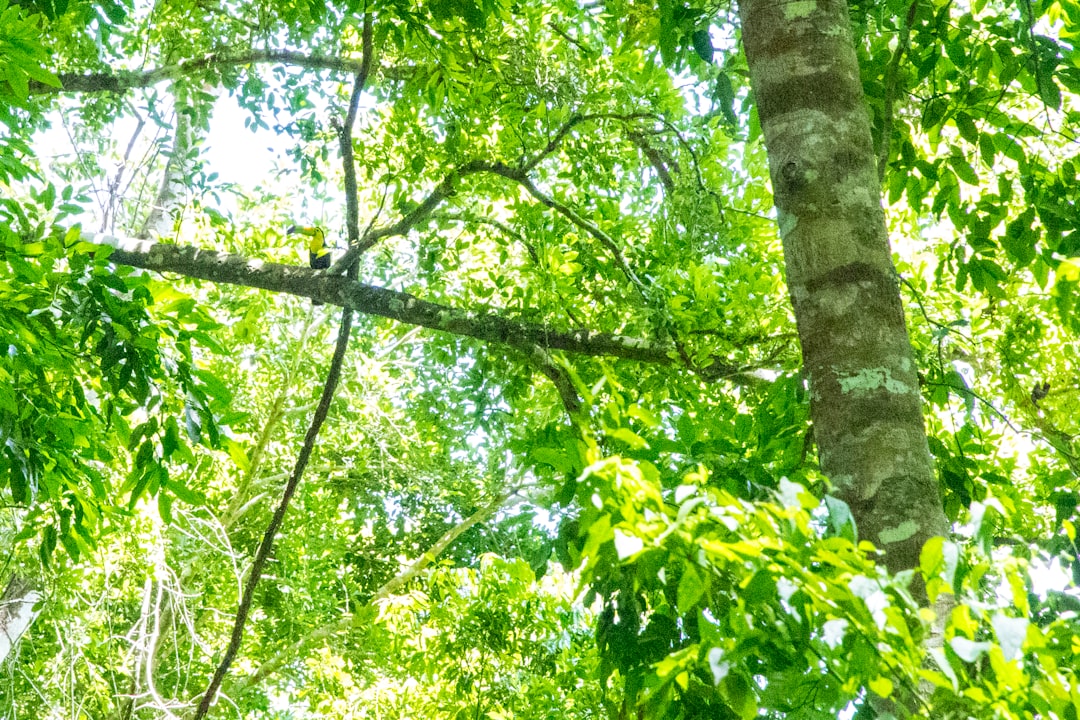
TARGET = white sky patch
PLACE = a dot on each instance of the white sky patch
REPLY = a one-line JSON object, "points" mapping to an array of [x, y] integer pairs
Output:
{"points": [[1046, 577], [833, 632], [239, 155]]}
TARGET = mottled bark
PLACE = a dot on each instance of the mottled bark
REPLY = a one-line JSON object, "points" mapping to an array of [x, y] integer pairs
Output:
{"points": [[865, 401]]}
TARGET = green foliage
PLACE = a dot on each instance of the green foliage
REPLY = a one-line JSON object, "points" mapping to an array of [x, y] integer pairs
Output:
{"points": [[716, 607], [82, 360], [22, 60], [147, 423]]}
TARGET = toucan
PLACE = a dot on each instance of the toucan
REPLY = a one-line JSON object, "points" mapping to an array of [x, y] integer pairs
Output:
{"points": [[318, 254]]}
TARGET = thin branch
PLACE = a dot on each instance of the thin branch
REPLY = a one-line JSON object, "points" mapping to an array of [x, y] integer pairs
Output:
{"points": [[585, 50], [108, 217], [466, 218], [361, 74], [655, 159], [123, 80], [892, 73], [554, 143], [448, 187], [241, 498], [1036, 60], [263, 553], [576, 120], [961, 391], [558, 376], [421, 212], [408, 574], [606, 240], [348, 161]]}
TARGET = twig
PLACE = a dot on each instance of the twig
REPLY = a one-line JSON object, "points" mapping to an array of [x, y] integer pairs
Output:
{"points": [[114, 187], [655, 159], [564, 210], [980, 398], [466, 218], [573, 122], [558, 376]]}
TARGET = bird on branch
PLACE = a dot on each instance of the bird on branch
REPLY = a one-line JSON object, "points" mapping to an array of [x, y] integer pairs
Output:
{"points": [[318, 251]]}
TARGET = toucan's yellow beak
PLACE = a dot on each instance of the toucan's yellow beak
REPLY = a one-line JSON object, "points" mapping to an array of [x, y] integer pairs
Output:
{"points": [[317, 243]]}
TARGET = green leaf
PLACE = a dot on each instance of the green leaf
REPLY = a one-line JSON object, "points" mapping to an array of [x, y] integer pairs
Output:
{"points": [[18, 82], [114, 11], [186, 494], [635, 441], [740, 696], [691, 589], [17, 483], [841, 521], [724, 94], [1050, 92], [761, 589], [963, 170], [703, 46], [164, 503], [48, 545], [933, 112], [555, 457], [881, 686], [142, 481], [668, 35], [170, 441], [966, 126], [239, 457], [1011, 633], [968, 650], [1019, 239], [1010, 147], [70, 545], [193, 423]]}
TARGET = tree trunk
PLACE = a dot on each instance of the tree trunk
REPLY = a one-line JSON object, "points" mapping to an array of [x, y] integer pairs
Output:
{"points": [[172, 195], [864, 391], [16, 612]]}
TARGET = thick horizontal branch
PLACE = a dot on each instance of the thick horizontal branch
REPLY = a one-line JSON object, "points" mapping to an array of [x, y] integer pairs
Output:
{"points": [[124, 80], [486, 325]]}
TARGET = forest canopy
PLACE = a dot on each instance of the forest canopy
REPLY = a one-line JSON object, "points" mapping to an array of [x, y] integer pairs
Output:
{"points": [[489, 359]]}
